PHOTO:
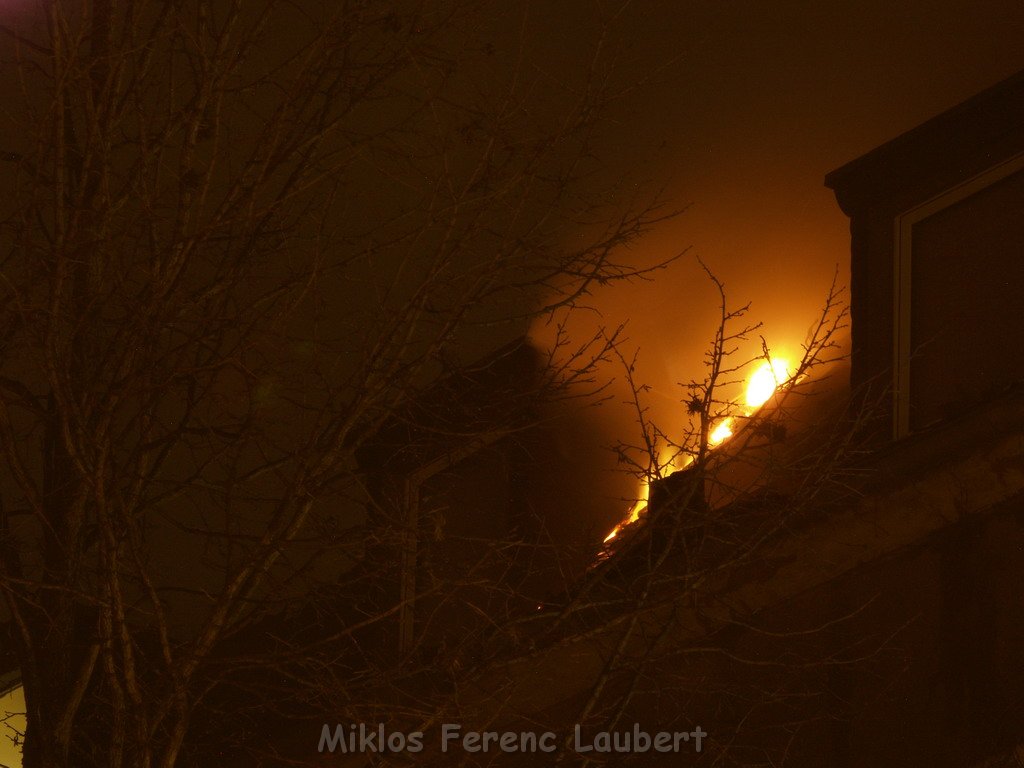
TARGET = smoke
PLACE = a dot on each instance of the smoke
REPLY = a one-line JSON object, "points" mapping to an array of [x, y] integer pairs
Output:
{"points": [[737, 114]]}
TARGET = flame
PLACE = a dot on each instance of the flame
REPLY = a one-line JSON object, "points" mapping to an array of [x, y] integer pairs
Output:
{"points": [[765, 380], [669, 461], [761, 385], [634, 513], [721, 433]]}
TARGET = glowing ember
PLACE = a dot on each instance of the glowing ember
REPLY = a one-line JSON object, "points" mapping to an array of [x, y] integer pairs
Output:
{"points": [[765, 380]]}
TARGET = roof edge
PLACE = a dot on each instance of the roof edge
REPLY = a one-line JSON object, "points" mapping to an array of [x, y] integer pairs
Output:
{"points": [[950, 129]]}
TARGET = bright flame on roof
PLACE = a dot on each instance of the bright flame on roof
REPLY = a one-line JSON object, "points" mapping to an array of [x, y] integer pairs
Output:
{"points": [[634, 513], [761, 385], [667, 463], [765, 380], [720, 433]]}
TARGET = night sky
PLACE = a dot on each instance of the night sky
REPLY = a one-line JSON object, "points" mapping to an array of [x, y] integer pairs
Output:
{"points": [[736, 111], [760, 102]]}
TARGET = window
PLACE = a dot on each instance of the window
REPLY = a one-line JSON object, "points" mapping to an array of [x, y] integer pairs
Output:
{"points": [[959, 272], [12, 721]]}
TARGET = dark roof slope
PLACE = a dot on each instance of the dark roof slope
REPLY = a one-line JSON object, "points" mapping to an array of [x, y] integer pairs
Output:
{"points": [[962, 142]]}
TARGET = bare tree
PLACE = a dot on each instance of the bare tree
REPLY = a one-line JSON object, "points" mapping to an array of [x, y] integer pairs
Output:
{"points": [[648, 634], [239, 237], [652, 633], [719, 493]]}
